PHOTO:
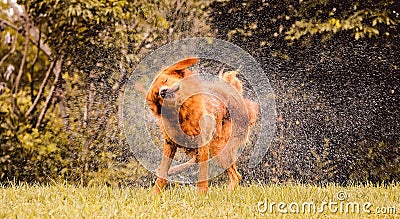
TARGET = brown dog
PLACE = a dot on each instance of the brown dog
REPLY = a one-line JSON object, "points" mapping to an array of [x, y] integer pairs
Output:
{"points": [[181, 127]]}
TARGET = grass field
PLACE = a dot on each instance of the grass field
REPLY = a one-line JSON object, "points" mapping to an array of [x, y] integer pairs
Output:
{"points": [[252, 201]]}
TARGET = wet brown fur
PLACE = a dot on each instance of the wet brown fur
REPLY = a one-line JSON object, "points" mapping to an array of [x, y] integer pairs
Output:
{"points": [[190, 114]]}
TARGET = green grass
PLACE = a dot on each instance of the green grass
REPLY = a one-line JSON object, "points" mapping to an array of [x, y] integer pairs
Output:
{"points": [[68, 201]]}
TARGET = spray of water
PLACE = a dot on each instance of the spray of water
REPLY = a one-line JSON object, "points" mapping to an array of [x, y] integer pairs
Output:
{"points": [[217, 54]]}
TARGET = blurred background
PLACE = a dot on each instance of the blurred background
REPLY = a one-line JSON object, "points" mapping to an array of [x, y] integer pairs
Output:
{"points": [[334, 67]]}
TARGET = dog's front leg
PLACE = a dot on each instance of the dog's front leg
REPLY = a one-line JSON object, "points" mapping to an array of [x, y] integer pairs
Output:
{"points": [[166, 160], [202, 184]]}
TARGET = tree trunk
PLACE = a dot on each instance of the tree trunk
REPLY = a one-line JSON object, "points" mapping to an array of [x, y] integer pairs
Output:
{"points": [[57, 72]]}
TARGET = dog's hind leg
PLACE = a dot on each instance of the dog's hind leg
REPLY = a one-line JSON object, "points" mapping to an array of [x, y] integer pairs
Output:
{"points": [[234, 177], [166, 160], [179, 168]]}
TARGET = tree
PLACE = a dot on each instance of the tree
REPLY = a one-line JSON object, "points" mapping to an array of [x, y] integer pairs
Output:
{"points": [[74, 59]]}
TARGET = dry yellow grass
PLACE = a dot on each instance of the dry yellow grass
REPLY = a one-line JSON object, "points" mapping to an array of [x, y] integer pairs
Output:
{"points": [[252, 201]]}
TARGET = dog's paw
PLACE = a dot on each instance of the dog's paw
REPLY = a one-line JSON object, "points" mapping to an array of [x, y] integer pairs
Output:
{"points": [[202, 187], [159, 186]]}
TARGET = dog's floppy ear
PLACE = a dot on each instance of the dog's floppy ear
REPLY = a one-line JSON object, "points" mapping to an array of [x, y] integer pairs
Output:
{"points": [[184, 63], [181, 65]]}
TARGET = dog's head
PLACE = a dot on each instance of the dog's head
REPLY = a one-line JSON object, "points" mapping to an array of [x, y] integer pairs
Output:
{"points": [[166, 83]]}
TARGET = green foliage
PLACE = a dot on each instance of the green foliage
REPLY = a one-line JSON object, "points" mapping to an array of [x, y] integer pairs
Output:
{"points": [[378, 162], [26, 152], [361, 18], [93, 47], [325, 169]]}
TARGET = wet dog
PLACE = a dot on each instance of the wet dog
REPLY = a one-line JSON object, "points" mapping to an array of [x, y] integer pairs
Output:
{"points": [[191, 117]]}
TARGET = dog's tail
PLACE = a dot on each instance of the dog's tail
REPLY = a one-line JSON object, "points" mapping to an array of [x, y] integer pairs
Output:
{"points": [[252, 110], [231, 78], [252, 107]]}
